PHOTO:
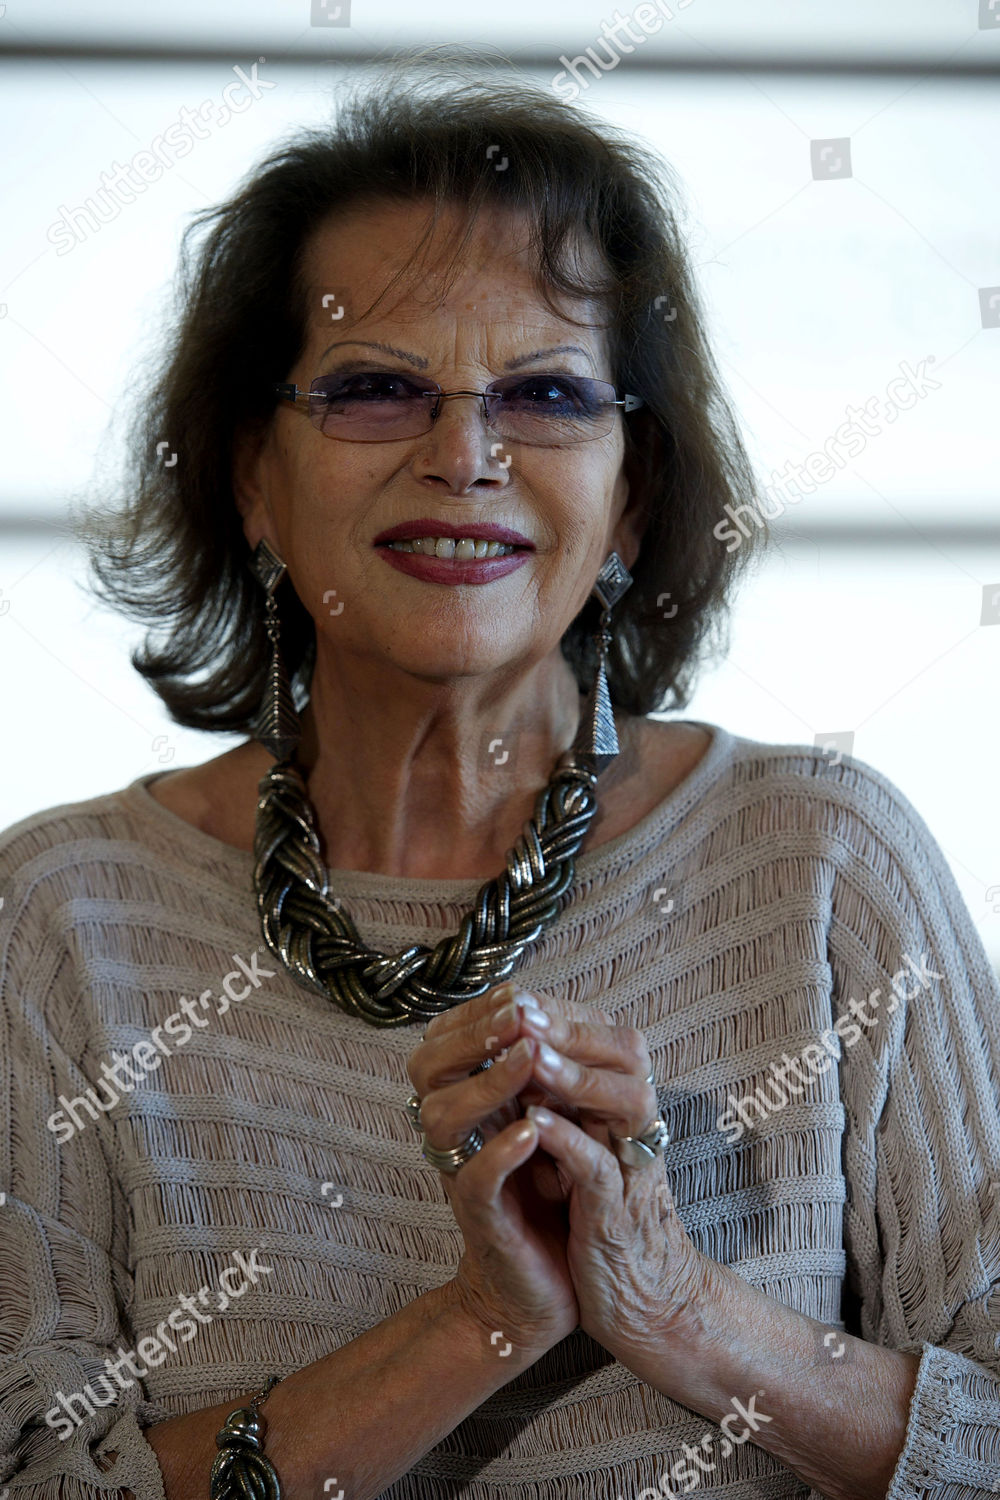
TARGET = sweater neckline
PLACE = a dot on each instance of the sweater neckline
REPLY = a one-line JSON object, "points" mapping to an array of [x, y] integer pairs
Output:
{"points": [[590, 864]]}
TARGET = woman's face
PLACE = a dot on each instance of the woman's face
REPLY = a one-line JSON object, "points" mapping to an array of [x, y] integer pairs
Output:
{"points": [[321, 501]]}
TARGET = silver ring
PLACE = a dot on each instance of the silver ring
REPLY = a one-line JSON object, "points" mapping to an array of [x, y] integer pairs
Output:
{"points": [[412, 1107], [452, 1160], [641, 1150]]}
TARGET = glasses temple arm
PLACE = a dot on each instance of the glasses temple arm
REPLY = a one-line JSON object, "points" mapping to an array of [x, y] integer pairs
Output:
{"points": [[291, 392]]}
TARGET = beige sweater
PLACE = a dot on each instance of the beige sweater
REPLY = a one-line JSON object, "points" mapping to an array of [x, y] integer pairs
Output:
{"points": [[870, 1199]]}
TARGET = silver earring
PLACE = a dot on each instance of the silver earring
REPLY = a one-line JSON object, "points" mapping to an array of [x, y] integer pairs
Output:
{"points": [[277, 725], [597, 736]]}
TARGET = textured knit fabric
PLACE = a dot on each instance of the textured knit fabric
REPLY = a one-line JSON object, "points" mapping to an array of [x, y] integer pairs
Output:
{"points": [[870, 1201]]}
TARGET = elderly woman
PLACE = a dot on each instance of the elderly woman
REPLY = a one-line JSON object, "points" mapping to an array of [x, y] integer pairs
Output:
{"points": [[707, 1193]]}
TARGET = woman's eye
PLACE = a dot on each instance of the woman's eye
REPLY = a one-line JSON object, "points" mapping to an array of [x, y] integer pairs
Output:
{"points": [[368, 386], [561, 392]]}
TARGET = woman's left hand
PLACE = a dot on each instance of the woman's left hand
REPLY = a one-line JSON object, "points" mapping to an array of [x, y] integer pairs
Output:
{"points": [[634, 1266]]}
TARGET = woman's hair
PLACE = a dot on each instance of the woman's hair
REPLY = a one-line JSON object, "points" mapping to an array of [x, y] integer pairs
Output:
{"points": [[172, 553]]}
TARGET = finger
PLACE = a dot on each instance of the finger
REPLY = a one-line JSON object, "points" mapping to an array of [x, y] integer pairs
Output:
{"points": [[602, 1188], [599, 1070], [484, 1175], [554, 1004], [621, 1048], [569, 1022], [622, 1103], [536, 1093], [451, 1053], [449, 1113], [458, 1041], [459, 1016], [594, 1171]]}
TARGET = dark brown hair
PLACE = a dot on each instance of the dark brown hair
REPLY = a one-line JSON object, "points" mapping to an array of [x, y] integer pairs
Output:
{"points": [[172, 553]]}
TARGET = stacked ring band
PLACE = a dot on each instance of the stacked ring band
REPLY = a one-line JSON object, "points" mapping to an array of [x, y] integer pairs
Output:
{"points": [[450, 1161]]}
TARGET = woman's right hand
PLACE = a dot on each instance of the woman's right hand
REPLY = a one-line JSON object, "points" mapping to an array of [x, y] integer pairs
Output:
{"points": [[507, 1200]]}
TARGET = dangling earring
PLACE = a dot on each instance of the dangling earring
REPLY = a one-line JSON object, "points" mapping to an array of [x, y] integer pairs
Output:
{"points": [[597, 736], [277, 725]]}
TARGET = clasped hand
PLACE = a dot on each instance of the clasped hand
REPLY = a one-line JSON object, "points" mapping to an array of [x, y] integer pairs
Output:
{"points": [[613, 1244]]}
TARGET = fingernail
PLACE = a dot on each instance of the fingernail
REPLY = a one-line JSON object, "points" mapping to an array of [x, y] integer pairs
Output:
{"points": [[549, 1058], [535, 1017], [504, 1016], [520, 1050], [538, 1114]]}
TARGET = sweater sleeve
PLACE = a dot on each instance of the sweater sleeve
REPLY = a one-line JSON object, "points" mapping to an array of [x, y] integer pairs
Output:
{"points": [[920, 1081], [65, 1286]]}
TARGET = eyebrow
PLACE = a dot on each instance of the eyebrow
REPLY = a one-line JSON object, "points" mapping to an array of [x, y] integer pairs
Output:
{"points": [[421, 363], [524, 359]]}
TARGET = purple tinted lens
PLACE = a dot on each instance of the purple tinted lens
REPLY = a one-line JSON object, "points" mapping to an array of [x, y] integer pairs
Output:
{"points": [[371, 404], [556, 397]]}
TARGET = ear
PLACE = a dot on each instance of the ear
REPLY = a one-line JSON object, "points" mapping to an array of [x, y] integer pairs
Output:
{"points": [[249, 487]]}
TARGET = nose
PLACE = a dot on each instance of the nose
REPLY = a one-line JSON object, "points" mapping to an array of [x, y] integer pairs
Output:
{"points": [[461, 450]]}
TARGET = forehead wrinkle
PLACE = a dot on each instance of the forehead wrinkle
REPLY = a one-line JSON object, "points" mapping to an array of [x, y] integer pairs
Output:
{"points": [[477, 257]]}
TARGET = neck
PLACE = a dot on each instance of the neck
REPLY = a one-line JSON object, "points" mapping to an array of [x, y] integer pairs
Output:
{"points": [[435, 783]]}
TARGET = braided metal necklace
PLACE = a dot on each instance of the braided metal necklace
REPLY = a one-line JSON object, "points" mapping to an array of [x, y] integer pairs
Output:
{"points": [[315, 939]]}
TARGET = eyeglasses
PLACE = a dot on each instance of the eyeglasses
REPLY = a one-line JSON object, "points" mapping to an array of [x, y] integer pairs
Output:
{"points": [[378, 406]]}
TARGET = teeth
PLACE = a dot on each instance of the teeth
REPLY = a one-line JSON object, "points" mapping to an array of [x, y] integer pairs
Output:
{"points": [[463, 550]]}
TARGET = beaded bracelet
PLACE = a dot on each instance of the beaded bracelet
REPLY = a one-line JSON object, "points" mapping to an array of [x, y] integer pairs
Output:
{"points": [[240, 1468]]}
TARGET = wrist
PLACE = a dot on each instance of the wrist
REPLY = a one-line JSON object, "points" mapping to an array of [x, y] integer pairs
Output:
{"points": [[495, 1347], [672, 1350]]}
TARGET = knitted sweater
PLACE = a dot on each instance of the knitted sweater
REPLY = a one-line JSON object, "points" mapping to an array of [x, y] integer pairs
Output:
{"points": [[734, 925]]}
